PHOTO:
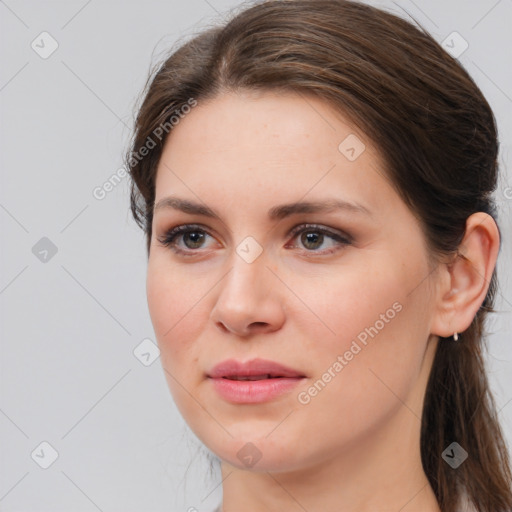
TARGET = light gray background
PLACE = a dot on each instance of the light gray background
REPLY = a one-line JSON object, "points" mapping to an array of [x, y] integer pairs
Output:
{"points": [[69, 325]]}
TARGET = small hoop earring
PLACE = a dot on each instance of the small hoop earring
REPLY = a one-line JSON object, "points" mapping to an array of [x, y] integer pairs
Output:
{"points": [[455, 336]]}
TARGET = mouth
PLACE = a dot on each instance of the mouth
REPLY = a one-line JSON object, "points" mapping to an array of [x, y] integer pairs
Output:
{"points": [[253, 377], [255, 381], [255, 369]]}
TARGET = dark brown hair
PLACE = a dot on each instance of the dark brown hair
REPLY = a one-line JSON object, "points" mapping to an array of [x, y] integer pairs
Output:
{"points": [[437, 137]]}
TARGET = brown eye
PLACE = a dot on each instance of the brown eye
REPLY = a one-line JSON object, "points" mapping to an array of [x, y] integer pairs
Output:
{"points": [[185, 239], [311, 239], [193, 239], [319, 240]]}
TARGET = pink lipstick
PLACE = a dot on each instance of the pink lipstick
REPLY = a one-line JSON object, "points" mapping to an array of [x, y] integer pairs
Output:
{"points": [[254, 381]]}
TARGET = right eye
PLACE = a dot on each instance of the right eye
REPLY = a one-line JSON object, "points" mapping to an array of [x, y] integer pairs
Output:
{"points": [[184, 239]]}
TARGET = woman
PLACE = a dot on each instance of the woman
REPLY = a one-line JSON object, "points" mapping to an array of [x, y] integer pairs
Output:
{"points": [[314, 180]]}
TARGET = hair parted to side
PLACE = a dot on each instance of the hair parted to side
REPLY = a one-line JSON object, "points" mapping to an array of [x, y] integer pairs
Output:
{"points": [[438, 139]]}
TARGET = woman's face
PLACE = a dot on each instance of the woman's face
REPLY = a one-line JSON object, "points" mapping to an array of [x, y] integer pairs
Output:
{"points": [[342, 296]]}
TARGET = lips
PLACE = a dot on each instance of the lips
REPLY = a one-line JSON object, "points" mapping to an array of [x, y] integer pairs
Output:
{"points": [[256, 369], [253, 382]]}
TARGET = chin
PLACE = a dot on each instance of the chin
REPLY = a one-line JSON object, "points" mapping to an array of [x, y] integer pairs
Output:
{"points": [[258, 452]]}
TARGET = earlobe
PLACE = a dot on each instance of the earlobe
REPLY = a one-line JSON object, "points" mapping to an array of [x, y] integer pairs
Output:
{"points": [[467, 276]]}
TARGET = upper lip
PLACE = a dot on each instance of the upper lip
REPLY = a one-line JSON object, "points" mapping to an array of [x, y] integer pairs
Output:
{"points": [[254, 367]]}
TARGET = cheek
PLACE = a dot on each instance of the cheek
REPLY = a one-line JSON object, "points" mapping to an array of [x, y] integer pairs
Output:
{"points": [[174, 303], [376, 325], [345, 303]]}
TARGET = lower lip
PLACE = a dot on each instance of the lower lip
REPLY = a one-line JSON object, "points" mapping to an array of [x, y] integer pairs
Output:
{"points": [[253, 391]]}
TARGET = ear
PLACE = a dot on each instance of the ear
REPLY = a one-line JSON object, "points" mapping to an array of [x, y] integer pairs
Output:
{"points": [[464, 282]]}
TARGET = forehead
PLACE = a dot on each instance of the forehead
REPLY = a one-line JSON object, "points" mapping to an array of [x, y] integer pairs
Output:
{"points": [[265, 144], [276, 118]]}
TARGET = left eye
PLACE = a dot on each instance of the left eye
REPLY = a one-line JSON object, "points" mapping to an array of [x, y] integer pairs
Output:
{"points": [[312, 238]]}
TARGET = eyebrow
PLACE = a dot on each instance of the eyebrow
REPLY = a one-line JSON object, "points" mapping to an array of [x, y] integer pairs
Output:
{"points": [[275, 213]]}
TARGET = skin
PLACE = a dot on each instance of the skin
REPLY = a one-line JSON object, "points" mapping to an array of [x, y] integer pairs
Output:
{"points": [[355, 446]]}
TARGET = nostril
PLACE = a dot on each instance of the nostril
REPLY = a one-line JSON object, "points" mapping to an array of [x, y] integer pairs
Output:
{"points": [[258, 326], [252, 328], [223, 327]]}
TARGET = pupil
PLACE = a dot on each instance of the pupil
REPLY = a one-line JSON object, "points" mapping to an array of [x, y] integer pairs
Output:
{"points": [[195, 237], [312, 238]]}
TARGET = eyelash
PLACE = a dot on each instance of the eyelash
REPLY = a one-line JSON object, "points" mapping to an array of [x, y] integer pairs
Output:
{"points": [[168, 240]]}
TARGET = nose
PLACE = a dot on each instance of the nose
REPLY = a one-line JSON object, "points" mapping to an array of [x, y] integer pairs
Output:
{"points": [[249, 299]]}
